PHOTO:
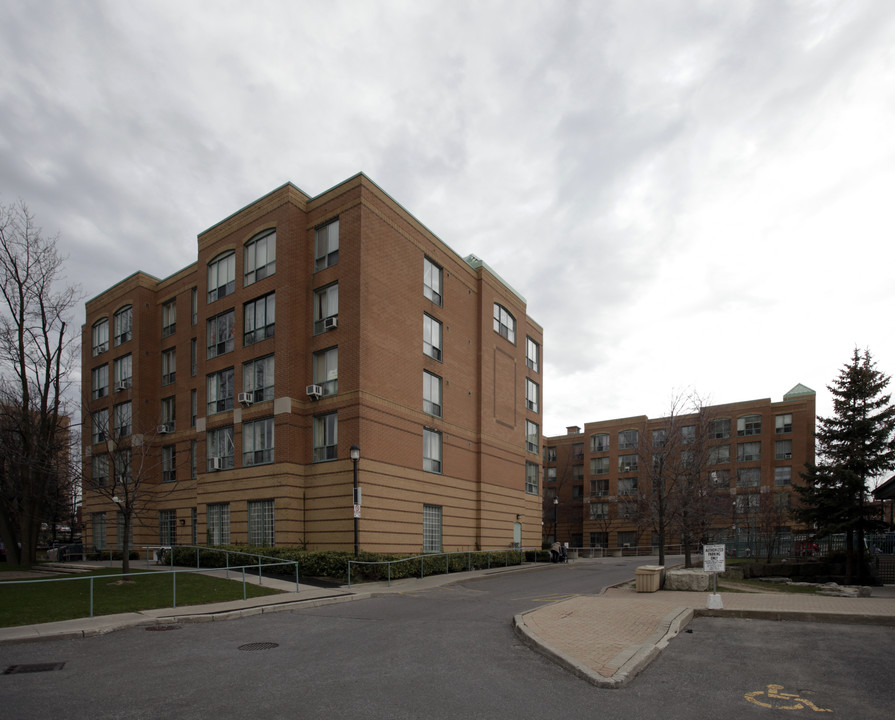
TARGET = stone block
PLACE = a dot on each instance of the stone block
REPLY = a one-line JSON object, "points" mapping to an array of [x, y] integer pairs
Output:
{"points": [[693, 580]]}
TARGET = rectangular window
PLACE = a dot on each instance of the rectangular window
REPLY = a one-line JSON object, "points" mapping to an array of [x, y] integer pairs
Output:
{"points": [[259, 317], [719, 454], [218, 523], [261, 532], [219, 446], [431, 394], [257, 378], [599, 539], [100, 470], [532, 394], [194, 306], [124, 320], [628, 439], [194, 357], [194, 407], [122, 466], [504, 323], [169, 416], [432, 281], [599, 442], [123, 419], [167, 527], [100, 336], [257, 442], [431, 337], [169, 318], [783, 450], [783, 424], [326, 308], [194, 460], [749, 425], [599, 488], [748, 451], [599, 466], [169, 366], [432, 528], [549, 474], [326, 437], [169, 463], [719, 429], [431, 450], [599, 511], [783, 476], [100, 426], [660, 437], [688, 434], [627, 463], [531, 478], [219, 389], [326, 245], [100, 381], [220, 334], [194, 524], [532, 436], [627, 486], [748, 504], [326, 370], [627, 538], [577, 492], [578, 451], [260, 256], [749, 477], [550, 454], [122, 370], [221, 276], [532, 355], [99, 530]]}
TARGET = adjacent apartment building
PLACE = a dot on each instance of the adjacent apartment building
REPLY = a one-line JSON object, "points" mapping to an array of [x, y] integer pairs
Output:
{"points": [[308, 327], [737, 461]]}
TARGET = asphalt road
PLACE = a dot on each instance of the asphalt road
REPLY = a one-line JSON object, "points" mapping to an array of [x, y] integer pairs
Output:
{"points": [[448, 652]]}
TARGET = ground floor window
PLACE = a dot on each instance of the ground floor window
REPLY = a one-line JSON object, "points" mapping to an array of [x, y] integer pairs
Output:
{"points": [[218, 521], [431, 528], [261, 523], [627, 539], [167, 527], [599, 539], [99, 530]]}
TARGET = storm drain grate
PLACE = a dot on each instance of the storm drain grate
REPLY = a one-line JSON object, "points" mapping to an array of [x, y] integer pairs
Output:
{"points": [[249, 647], [163, 628], [36, 667]]}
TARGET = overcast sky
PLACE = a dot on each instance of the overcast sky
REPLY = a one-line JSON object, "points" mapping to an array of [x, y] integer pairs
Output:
{"points": [[690, 195]]}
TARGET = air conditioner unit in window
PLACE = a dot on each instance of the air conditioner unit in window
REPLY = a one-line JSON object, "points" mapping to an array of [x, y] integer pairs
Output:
{"points": [[120, 386], [627, 468], [331, 323], [163, 429], [216, 463], [245, 399], [315, 392]]}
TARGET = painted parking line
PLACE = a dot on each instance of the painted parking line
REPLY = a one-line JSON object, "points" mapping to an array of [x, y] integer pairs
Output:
{"points": [[771, 697]]}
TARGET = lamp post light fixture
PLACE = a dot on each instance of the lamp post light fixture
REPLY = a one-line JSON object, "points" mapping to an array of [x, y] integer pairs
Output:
{"points": [[354, 453]]}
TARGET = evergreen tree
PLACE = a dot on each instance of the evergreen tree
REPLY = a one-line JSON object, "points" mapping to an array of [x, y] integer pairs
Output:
{"points": [[853, 446]]}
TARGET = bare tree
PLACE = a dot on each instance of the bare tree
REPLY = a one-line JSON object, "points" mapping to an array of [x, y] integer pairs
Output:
{"points": [[37, 354]]}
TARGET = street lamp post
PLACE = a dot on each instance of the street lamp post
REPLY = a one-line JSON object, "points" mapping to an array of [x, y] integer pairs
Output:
{"points": [[355, 456]]}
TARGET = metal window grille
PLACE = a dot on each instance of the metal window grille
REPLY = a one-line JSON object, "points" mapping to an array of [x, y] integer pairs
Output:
{"points": [[261, 523], [431, 528]]}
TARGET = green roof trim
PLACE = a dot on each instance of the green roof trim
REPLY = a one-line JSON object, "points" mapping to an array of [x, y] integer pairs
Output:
{"points": [[799, 391], [476, 263]]}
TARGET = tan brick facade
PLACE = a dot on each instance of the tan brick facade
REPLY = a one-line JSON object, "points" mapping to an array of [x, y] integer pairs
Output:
{"points": [[479, 480]]}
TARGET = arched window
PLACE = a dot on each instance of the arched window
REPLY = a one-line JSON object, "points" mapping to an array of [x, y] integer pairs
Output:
{"points": [[504, 323]]}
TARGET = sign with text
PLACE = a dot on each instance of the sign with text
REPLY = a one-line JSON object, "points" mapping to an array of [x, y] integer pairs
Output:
{"points": [[713, 558]]}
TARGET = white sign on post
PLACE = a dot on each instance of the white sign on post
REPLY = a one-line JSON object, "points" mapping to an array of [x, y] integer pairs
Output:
{"points": [[713, 558]]}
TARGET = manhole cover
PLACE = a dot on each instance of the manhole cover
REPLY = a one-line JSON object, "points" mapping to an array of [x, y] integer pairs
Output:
{"points": [[163, 628], [259, 646], [37, 667]]}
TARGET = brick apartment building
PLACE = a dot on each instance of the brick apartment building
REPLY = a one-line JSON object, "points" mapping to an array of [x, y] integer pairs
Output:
{"points": [[597, 482], [307, 326]]}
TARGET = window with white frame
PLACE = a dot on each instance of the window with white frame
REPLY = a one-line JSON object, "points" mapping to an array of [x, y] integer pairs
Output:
{"points": [[220, 334], [628, 439], [98, 521], [123, 419], [100, 333], [169, 463], [259, 317], [122, 370], [783, 423], [532, 394], [169, 318], [532, 436], [221, 276], [783, 450], [217, 518], [326, 307], [719, 454], [749, 425], [261, 530], [99, 423], [100, 381], [432, 281], [326, 370], [219, 448], [748, 477], [432, 528], [169, 416], [326, 245], [167, 527], [431, 450], [260, 257], [719, 429], [431, 337], [257, 442], [258, 378], [783, 476], [599, 466], [748, 451], [531, 478], [431, 394], [169, 366], [504, 323], [599, 442], [219, 391], [627, 463], [123, 325], [100, 470], [326, 437], [532, 355]]}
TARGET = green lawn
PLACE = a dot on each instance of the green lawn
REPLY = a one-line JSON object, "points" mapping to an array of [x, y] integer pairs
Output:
{"points": [[51, 601]]}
